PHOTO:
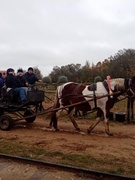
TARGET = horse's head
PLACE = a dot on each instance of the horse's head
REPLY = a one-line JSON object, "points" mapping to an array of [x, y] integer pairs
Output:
{"points": [[131, 87], [117, 84]]}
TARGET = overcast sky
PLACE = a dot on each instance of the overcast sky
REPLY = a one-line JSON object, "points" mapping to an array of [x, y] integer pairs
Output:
{"points": [[48, 33]]}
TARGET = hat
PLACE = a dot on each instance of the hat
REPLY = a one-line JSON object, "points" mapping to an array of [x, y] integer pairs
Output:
{"points": [[10, 70], [30, 68], [19, 70]]}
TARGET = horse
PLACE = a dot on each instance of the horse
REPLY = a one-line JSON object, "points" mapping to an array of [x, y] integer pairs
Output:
{"points": [[130, 108], [90, 97]]}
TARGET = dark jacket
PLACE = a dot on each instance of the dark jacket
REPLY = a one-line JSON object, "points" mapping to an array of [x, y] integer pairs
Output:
{"points": [[12, 81], [31, 78], [1, 82], [22, 81]]}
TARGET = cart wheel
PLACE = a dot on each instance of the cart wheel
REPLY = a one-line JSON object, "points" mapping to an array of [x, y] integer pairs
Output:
{"points": [[1, 111], [28, 113], [6, 122]]}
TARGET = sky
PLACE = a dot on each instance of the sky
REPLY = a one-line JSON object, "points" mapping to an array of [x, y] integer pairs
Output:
{"points": [[49, 33]]}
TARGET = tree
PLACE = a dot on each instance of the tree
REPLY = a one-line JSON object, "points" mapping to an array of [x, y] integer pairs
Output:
{"points": [[104, 70], [37, 72], [71, 71], [86, 73], [55, 74], [123, 63]]}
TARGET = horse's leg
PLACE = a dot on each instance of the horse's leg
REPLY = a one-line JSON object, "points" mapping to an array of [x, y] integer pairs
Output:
{"points": [[132, 109], [84, 114], [76, 113], [98, 119], [54, 120], [128, 110], [72, 118], [106, 120], [93, 125], [107, 127], [105, 113]]}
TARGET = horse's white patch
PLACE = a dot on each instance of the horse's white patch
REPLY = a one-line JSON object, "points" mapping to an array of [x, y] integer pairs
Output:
{"points": [[88, 95], [99, 92]]}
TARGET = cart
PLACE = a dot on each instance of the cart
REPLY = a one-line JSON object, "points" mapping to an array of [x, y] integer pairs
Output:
{"points": [[11, 110]]}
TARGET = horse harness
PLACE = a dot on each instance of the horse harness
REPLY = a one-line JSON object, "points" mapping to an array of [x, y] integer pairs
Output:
{"points": [[76, 89], [130, 92], [93, 87]]}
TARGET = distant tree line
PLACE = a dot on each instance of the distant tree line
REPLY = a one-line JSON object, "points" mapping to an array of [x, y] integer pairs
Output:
{"points": [[122, 64]]}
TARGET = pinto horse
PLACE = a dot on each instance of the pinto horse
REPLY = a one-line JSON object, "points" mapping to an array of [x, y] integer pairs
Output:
{"points": [[89, 97]]}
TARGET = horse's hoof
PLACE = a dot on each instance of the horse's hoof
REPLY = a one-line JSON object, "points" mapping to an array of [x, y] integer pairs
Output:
{"points": [[78, 129], [109, 134], [88, 131], [81, 132], [49, 127], [57, 129]]}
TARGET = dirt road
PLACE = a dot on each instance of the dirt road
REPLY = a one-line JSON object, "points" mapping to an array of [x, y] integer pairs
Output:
{"points": [[119, 147]]}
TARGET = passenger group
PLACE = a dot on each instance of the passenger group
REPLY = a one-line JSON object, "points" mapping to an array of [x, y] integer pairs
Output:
{"points": [[19, 84]]}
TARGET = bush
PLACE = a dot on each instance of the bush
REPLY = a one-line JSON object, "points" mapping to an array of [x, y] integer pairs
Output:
{"points": [[97, 79], [47, 80], [62, 79]]}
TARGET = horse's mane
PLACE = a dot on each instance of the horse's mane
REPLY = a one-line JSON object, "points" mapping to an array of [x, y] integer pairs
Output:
{"points": [[118, 82], [133, 79]]}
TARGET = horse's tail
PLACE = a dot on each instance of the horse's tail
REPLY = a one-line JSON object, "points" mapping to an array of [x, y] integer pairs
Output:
{"points": [[53, 121]]}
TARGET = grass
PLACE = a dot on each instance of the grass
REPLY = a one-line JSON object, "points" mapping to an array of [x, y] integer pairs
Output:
{"points": [[109, 164], [120, 106]]}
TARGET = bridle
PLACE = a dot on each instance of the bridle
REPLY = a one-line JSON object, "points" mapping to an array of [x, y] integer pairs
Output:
{"points": [[130, 92]]}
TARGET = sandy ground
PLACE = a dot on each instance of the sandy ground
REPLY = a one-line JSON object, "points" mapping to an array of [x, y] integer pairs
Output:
{"points": [[67, 140], [120, 147]]}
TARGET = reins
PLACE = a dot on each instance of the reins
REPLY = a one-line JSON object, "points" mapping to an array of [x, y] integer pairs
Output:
{"points": [[89, 96]]}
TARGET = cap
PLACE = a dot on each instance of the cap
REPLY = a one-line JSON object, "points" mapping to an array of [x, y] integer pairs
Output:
{"points": [[19, 70], [10, 70], [30, 68]]}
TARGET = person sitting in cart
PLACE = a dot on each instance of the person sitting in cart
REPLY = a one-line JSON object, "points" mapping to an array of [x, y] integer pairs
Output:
{"points": [[1, 83], [12, 83], [31, 77], [22, 80]]}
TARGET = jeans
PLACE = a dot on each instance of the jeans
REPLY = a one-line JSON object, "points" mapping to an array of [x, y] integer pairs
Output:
{"points": [[26, 89], [21, 93]]}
